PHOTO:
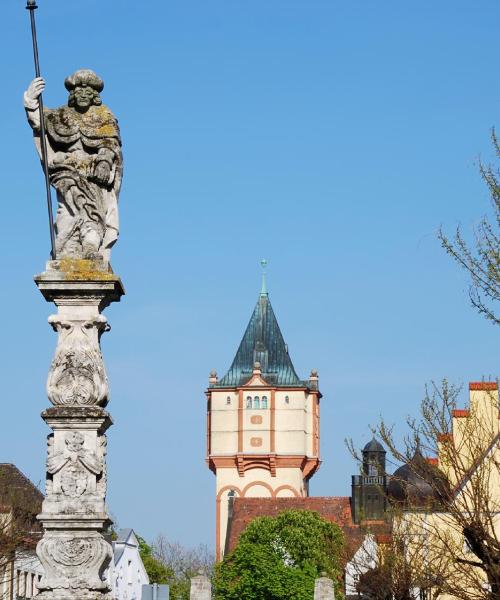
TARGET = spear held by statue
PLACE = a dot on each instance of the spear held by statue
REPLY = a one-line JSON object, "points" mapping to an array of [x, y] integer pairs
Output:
{"points": [[31, 6]]}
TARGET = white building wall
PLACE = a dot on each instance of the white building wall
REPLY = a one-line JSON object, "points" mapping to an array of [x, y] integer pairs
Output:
{"points": [[364, 560], [21, 578], [127, 574]]}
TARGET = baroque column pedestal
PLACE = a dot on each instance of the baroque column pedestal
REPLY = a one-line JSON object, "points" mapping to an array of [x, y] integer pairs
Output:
{"points": [[73, 551]]}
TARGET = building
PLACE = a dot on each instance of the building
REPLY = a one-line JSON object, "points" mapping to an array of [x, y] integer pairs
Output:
{"points": [[20, 502], [336, 509], [127, 574], [262, 421], [447, 508], [369, 489], [20, 570]]}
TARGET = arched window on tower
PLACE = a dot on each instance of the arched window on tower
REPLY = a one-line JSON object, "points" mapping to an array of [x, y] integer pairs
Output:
{"points": [[249, 401], [264, 402], [256, 402]]}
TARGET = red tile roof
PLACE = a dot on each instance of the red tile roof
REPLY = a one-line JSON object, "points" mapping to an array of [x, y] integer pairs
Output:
{"points": [[336, 509], [483, 386], [16, 488]]}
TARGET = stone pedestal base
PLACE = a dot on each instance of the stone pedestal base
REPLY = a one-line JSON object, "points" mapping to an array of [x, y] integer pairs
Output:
{"points": [[201, 588], [73, 551], [323, 589]]}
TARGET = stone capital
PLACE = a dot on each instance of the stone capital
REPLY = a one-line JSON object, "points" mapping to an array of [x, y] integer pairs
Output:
{"points": [[92, 418], [80, 282]]}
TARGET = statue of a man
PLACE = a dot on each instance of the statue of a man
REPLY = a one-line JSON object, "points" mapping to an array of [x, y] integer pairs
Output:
{"points": [[85, 165]]}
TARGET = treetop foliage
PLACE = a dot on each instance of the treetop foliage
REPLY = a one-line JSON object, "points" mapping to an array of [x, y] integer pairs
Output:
{"points": [[280, 557]]}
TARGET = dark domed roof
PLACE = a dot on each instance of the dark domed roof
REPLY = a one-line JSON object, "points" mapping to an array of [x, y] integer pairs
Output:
{"points": [[374, 446], [407, 485]]}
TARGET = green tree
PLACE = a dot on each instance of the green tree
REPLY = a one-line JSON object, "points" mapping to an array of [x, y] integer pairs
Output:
{"points": [[482, 259], [278, 558], [156, 570]]}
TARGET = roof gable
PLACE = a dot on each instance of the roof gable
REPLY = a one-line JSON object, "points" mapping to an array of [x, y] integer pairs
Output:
{"points": [[17, 490]]}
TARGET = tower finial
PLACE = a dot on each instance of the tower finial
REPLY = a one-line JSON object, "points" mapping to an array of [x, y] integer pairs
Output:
{"points": [[263, 264]]}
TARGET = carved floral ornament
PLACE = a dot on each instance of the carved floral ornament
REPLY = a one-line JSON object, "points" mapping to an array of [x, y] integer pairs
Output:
{"points": [[77, 376]]}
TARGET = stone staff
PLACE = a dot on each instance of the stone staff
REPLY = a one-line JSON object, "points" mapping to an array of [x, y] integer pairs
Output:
{"points": [[31, 5]]}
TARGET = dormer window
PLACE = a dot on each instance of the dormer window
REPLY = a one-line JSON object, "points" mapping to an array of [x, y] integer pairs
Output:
{"points": [[264, 402], [249, 401], [256, 402]]}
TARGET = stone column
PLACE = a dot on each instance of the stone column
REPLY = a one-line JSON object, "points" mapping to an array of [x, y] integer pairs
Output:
{"points": [[323, 589], [73, 551], [201, 588]]}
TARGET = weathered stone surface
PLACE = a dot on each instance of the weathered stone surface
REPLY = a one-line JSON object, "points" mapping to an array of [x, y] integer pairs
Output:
{"points": [[82, 283], [74, 564], [85, 165], [73, 551], [77, 375], [201, 588], [323, 589]]}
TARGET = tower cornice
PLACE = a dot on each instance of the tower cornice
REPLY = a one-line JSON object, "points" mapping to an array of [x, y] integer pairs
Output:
{"points": [[271, 462]]}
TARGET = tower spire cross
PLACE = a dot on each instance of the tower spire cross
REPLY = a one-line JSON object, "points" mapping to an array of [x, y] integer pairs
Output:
{"points": [[263, 264]]}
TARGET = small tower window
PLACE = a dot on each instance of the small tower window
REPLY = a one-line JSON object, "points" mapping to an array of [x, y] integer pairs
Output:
{"points": [[287, 400], [256, 402], [264, 402], [249, 401], [228, 400], [372, 471]]}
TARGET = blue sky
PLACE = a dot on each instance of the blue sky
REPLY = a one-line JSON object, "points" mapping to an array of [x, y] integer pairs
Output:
{"points": [[332, 138]]}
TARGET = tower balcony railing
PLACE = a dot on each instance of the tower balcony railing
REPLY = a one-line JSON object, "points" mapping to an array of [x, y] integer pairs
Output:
{"points": [[369, 480]]}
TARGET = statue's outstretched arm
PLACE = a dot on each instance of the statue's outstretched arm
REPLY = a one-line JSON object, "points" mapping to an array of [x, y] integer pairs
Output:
{"points": [[31, 103]]}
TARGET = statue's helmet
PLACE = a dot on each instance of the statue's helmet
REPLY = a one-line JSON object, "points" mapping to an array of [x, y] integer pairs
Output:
{"points": [[84, 77]]}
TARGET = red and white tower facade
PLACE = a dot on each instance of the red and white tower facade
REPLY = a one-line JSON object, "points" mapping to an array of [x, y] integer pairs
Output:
{"points": [[262, 421]]}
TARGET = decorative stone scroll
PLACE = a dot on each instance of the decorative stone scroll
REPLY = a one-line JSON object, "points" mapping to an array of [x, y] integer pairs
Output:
{"points": [[77, 376], [74, 563]]}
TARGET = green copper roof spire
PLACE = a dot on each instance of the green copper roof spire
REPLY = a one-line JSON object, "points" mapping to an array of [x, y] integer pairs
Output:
{"points": [[263, 343], [263, 264]]}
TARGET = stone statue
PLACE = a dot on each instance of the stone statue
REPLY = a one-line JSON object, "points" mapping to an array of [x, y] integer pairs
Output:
{"points": [[85, 165]]}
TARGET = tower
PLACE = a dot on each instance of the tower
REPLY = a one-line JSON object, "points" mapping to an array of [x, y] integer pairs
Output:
{"points": [[262, 421], [369, 488]]}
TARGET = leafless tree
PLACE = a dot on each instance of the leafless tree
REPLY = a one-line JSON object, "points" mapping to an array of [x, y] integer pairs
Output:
{"points": [[459, 522], [185, 563], [482, 258]]}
